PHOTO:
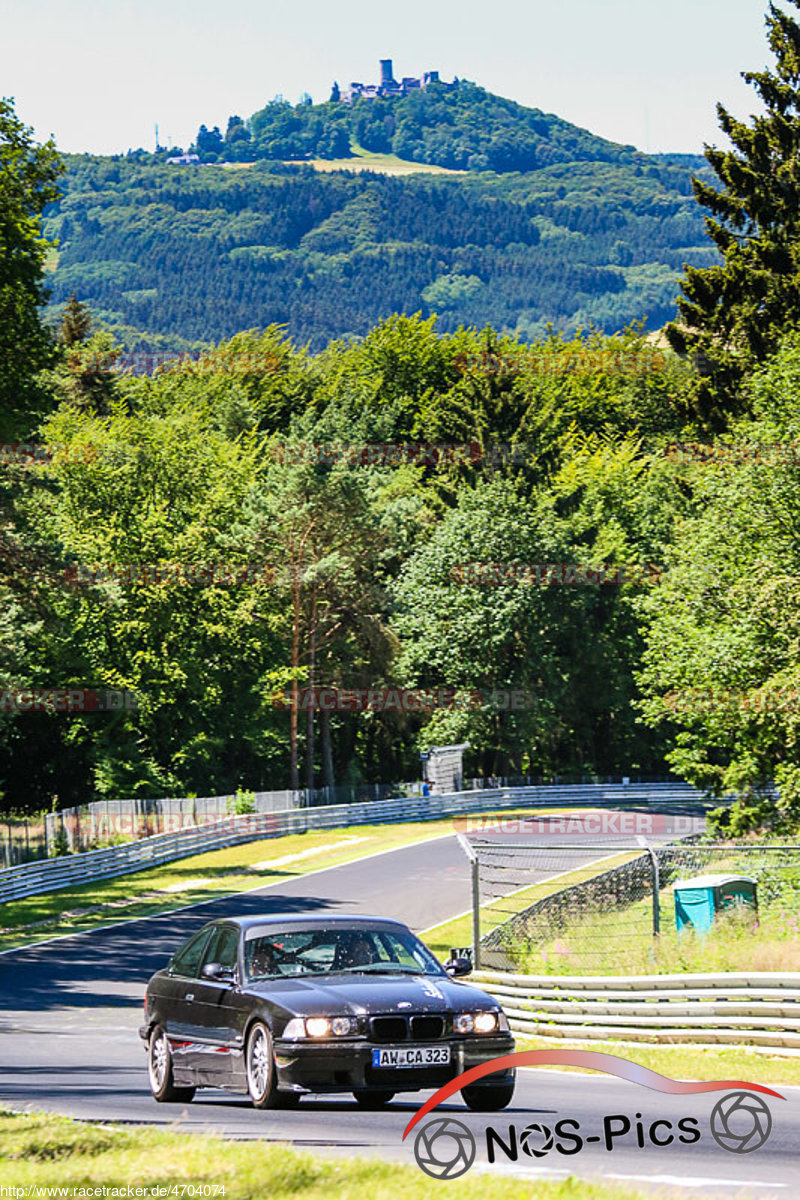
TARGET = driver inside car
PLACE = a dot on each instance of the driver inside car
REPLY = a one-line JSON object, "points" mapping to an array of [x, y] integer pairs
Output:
{"points": [[263, 961], [359, 952]]}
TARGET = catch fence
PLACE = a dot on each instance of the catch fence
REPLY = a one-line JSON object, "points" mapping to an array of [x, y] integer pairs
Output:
{"points": [[608, 907], [102, 823]]}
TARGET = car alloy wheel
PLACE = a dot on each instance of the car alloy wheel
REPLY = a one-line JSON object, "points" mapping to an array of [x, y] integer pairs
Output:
{"points": [[159, 1070], [260, 1067]]}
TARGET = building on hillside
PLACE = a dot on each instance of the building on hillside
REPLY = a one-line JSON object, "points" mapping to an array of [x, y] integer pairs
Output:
{"points": [[182, 160], [388, 85]]}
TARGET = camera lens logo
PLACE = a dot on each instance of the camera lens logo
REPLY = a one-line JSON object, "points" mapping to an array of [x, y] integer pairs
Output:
{"points": [[444, 1148], [741, 1122], [532, 1134]]}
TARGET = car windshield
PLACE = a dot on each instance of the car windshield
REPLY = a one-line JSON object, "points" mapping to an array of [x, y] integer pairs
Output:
{"points": [[274, 953]]}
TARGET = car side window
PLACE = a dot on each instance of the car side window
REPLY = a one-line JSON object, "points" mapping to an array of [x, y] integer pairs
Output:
{"points": [[186, 961], [223, 947], [408, 952]]}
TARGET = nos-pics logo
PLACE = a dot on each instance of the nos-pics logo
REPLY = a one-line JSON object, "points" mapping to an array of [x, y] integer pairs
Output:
{"points": [[446, 1148]]}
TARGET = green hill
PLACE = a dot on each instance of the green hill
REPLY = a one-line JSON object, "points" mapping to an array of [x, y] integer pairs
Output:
{"points": [[462, 127], [169, 256]]}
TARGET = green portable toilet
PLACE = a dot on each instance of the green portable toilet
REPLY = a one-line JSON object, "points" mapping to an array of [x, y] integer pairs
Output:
{"points": [[698, 900]]}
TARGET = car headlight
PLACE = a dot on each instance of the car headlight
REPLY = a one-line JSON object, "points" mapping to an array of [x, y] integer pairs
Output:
{"points": [[320, 1027], [296, 1028], [479, 1022], [341, 1026]]}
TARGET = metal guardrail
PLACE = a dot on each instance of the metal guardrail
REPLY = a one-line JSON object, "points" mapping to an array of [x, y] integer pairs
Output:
{"points": [[54, 874], [747, 1009]]}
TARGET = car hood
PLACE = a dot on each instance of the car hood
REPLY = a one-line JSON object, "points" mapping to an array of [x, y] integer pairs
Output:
{"points": [[367, 994]]}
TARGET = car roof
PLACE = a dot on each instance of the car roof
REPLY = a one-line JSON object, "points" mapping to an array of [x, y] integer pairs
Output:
{"points": [[310, 919]]}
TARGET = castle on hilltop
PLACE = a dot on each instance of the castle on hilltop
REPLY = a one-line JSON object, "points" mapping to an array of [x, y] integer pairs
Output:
{"points": [[388, 85]]}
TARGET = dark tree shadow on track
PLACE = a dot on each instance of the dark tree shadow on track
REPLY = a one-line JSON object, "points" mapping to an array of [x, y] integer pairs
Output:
{"points": [[77, 971]]}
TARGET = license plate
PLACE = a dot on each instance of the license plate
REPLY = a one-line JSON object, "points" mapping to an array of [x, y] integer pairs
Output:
{"points": [[411, 1056]]}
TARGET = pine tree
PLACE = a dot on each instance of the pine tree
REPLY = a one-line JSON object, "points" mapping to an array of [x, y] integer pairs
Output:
{"points": [[732, 315], [76, 322]]}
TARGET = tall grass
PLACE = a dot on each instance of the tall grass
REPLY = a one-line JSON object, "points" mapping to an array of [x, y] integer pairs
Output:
{"points": [[620, 941]]}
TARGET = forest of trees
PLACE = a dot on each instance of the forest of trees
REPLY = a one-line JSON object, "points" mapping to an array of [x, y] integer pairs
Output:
{"points": [[181, 540], [175, 256]]}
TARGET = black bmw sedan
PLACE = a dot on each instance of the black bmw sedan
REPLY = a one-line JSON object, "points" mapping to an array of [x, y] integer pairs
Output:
{"points": [[274, 1007]]}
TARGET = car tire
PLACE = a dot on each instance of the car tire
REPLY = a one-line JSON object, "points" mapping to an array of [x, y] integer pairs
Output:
{"points": [[260, 1067], [373, 1100], [488, 1099], [159, 1071]]}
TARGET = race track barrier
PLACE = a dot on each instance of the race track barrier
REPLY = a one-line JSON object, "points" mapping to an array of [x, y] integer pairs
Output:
{"points": [[742, 1008], [53, 874]]}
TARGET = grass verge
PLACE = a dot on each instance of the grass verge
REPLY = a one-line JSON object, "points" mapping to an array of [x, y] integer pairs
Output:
{"points": [[684, 1062], [46, 1151]]}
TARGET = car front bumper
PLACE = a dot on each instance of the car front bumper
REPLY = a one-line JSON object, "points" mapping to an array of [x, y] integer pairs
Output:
{"points": [[347, 1066]]}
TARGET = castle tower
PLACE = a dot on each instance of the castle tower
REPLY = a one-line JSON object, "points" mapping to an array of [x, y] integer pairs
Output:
{"points": [[386, 71]]}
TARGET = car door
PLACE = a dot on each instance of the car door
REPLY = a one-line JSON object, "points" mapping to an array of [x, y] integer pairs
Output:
{"points": [[179, 1012], [215, 1011]]}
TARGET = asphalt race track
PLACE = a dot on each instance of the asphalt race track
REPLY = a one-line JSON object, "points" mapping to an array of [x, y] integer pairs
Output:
{"points": [[69, 1010]]}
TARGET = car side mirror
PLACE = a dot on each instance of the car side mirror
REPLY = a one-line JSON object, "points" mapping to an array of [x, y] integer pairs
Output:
{"points": [[459, 962], [217, 973]]}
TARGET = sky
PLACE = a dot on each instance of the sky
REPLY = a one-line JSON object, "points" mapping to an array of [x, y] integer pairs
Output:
{"points": [[100, 74]]}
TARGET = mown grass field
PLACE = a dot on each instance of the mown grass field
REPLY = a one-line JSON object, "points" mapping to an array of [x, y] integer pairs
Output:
{"points": [[365, 160]]}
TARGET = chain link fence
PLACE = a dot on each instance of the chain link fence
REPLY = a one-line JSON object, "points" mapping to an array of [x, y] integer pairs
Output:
{"points": [[607, 907]]}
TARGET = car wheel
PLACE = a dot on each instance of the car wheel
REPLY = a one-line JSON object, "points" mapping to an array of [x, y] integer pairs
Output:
{"points": [[373, 1100], [159, 1071], [488, 1099], [261, 1067]]}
